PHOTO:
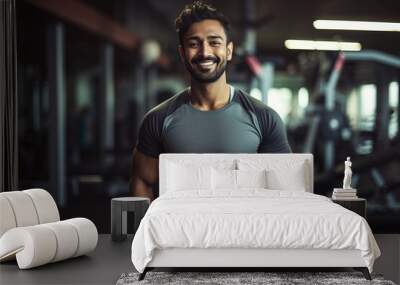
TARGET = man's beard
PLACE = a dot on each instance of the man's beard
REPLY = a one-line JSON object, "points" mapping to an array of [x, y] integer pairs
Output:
{"points": [[204, 77]]}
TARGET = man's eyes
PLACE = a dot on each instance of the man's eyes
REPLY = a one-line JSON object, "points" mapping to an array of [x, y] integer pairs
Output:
{"points": [[193, 44], [215, 43], [196, 44]]}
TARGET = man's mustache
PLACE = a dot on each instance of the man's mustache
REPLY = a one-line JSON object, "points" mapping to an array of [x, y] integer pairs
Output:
{"points": [[201, 58]]}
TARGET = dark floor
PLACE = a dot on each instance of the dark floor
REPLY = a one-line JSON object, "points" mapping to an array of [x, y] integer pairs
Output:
{"points": [[103, 266], [110, 259]]}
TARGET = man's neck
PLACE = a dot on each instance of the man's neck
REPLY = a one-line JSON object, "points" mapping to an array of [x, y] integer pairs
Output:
{"points": [[209, 96]]}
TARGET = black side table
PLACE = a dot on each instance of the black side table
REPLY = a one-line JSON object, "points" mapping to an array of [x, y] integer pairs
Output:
{"points": [[358, 205], [119, 209]]}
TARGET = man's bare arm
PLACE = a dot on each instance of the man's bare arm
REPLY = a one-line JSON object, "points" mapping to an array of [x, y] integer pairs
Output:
{"points": [[144, 174]]}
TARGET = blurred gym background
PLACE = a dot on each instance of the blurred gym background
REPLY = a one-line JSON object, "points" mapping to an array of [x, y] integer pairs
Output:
{"points": [[88, 70]]}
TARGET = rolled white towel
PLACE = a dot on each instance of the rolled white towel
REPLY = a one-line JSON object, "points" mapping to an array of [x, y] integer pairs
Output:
{"points": [[45, 205], [37, 245], [67, 240], [7, 218], [23, 208], [87, 233], [33, 246]]}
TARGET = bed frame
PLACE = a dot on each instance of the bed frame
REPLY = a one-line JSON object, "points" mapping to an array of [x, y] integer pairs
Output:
{"points": [[256, 258], [251, 258]]}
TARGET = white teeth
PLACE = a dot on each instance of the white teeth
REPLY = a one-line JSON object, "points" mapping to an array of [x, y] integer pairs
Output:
{"points": [[206, 63]]}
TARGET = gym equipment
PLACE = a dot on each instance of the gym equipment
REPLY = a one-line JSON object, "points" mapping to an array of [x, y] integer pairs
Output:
{"points": [[381, 122]]}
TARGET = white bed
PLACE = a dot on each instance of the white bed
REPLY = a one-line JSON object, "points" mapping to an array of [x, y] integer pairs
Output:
{"points": [[201, 223]]}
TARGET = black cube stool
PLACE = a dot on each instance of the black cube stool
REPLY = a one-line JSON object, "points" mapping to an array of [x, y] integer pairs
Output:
{"points": [[119, 208]]}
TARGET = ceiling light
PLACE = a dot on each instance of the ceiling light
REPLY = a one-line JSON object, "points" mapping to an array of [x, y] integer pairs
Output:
{"points": [[322, 45], [356, 25]]}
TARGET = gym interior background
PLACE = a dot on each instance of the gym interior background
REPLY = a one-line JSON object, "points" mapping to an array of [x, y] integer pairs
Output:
{"points": [[88, 70]]}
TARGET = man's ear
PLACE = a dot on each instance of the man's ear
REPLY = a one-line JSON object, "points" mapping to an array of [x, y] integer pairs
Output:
{"points": [[229, 51], [181, 53]]}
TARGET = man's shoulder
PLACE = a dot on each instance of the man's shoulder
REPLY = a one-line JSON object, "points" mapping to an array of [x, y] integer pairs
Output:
{"points": [[169, 105], [254, 105]]}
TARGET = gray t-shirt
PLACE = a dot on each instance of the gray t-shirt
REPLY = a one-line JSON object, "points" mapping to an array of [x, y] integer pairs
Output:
{"points": [[244, 125]]}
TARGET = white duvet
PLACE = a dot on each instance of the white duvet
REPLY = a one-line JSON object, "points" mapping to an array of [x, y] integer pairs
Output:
{"points": [[252, 218]]}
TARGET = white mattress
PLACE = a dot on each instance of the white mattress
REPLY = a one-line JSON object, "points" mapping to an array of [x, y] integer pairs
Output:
{"points": [[252, 218]]}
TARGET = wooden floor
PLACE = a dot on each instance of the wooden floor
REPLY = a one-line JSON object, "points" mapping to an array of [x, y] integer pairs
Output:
{"points": [[103, 266]]}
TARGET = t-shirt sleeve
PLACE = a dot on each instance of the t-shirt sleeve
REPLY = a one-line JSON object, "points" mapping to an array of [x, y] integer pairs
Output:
{"points": [[149, 139], [274, 134]]}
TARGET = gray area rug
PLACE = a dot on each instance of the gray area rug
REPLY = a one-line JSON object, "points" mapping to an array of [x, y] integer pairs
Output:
{"points": [[229, 278]]}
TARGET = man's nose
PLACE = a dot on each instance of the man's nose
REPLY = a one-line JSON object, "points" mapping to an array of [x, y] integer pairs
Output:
{"points": [[205, 49]]}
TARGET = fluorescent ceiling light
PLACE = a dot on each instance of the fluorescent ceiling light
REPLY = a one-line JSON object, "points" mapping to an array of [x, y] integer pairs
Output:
{"points": [[322, 45], [356, 25]]}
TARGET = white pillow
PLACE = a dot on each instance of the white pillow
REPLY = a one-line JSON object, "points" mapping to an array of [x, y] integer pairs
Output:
{"points": [[281, 174], [181, 178], [236, 179], [279, 180], [223, 179], [203, 160], [251, 178]]}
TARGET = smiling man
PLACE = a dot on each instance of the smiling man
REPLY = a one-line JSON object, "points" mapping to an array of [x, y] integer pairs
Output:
{"points": [[210, 116]]}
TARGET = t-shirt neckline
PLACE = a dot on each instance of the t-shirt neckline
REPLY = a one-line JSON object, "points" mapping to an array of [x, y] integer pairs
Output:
{"points": [[231, 94]]}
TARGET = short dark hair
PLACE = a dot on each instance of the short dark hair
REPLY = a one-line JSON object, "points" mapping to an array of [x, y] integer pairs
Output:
{"points": [[197, 12]]}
